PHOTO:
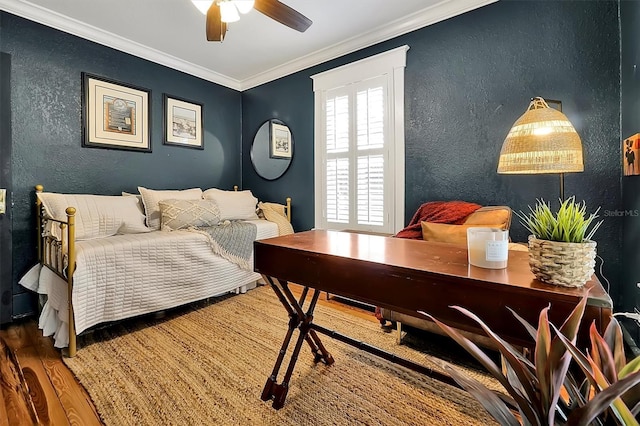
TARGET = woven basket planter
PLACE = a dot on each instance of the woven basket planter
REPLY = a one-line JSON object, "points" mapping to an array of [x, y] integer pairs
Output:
{"points": [[565, 264]]}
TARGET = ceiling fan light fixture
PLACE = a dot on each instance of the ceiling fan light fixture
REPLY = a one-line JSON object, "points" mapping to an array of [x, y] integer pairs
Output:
{"points": [[219, 13], [244, 6], [228, 12], [202, 5]]}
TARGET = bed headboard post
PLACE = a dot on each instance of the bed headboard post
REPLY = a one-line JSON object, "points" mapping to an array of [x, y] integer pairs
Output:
{"points": [[39, 189], [289, 209], [71, 267]]}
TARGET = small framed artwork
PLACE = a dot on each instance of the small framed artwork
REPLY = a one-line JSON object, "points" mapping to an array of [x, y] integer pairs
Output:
{"points": [[183, 122], [115, 115], [630, 155], [280, 146]]}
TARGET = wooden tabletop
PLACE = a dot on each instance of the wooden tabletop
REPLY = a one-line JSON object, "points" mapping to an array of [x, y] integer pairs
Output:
{"points": [[408, 276], [432, 257]]}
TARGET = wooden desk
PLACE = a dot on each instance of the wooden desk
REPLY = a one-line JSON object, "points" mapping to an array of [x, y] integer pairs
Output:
{"points": [[408, 276]]}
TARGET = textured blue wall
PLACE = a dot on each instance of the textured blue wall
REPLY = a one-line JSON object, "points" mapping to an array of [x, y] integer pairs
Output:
{"points": [[47, 129], [467, 80], [630, 24], [289, 99], [6, 290]]}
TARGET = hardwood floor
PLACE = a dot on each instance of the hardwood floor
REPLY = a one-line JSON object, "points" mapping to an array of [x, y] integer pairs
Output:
{"points": [[67, 402]]}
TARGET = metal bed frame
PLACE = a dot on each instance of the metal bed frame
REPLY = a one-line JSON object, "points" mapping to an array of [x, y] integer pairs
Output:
{"points": [[59, 255]]}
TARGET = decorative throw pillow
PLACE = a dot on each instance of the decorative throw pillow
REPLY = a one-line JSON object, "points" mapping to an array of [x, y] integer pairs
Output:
{"points": [[97, 216], [490, 214], [151, 198], [181, 214], [138, 196], [453, 234], [274, 212], [234, 205]]}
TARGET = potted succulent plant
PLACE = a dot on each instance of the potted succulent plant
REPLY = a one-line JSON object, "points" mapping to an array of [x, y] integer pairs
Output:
{"points": [[561, 249]]}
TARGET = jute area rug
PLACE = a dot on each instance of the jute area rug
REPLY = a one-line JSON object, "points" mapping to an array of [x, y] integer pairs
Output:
{"points": [[207, 365]]}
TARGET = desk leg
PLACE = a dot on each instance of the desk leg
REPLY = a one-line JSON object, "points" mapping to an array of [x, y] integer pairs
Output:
{"points": [[297, 319], [306, 319]]}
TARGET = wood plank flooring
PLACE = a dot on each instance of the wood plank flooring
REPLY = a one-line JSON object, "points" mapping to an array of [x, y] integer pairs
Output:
{"points": [[67, 402]]}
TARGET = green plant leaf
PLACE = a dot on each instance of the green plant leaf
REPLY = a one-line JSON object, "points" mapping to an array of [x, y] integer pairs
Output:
{"points": [[576, 391], [489, 400], [604, 400], [632, 396], [613, 336], [559, 360], [569, 224], [597, 379], [571, 325], [526, 378], [613, 339], [525, 405], [602, 355], [579, 357], [530, 329], [541, 354], [532, 332], [631, 367]]}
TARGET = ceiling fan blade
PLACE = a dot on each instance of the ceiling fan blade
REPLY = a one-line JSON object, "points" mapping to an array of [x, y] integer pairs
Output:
{"points": [[216, 29], [283, 14]]}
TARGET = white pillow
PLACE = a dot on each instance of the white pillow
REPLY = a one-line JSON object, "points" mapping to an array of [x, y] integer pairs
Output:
{"points": [[234, 205], [139, 197], [151, 198], [97, 216], [182, 214]]}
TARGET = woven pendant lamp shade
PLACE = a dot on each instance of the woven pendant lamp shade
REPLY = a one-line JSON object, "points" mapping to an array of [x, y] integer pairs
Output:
{"points": [[542, 140]]}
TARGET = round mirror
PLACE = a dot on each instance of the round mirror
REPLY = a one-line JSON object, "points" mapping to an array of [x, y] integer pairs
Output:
{"points": [[272, 149]]}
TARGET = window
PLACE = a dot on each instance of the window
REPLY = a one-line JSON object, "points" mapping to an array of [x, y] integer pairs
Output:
{"points": [[359, 144]]}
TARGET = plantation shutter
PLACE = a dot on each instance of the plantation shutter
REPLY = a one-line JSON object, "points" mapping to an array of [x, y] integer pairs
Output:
{"points": [[370, 128], [355, 126], [337, 162], [359, 144]]}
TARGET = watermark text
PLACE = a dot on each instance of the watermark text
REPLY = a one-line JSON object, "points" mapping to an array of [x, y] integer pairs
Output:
{"points": [[621, 213]]}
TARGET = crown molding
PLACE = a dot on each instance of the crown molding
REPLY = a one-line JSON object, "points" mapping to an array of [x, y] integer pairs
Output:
{"points": [[64, 23], [429, 16]]}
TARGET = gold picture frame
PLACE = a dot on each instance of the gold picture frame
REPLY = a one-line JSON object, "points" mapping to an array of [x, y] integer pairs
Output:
{"points": [[280, 137], [115, 115], [183, 122]]}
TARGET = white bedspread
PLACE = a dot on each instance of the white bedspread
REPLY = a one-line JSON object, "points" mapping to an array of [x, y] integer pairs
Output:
{"points": [[127, 275]]}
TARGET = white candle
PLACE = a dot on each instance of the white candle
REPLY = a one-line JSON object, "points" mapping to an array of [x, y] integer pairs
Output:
{"points": [[488, 247]]}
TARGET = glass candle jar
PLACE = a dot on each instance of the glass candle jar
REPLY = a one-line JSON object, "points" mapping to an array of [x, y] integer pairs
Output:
{"points": [[488, 247]]}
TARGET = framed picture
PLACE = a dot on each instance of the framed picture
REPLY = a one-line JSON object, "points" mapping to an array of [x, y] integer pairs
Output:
{"points": [[280, 146], [630, 155], [115, 115], [183, 122]]}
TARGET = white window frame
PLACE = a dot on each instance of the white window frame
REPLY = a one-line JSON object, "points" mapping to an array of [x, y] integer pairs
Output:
{"points": [[390, 64]]}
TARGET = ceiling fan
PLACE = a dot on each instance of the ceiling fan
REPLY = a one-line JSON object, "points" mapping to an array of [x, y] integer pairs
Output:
{"points": [[221, 12]]}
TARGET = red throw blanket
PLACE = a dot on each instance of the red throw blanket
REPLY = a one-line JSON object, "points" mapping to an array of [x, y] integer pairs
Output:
{"points": [[452, 212]]}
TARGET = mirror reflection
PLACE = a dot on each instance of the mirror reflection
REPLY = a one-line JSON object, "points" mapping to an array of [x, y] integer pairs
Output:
{"points": [[272, 149]]}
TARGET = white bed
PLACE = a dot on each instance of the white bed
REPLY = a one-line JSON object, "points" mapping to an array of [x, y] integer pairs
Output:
{"points": [[127, 275], [136, 271]]}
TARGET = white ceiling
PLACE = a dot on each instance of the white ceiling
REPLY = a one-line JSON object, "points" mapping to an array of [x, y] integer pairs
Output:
{"points": [[256, 49]]}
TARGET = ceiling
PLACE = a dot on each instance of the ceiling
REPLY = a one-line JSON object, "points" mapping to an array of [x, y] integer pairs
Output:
{"points": [[256, 49]]}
